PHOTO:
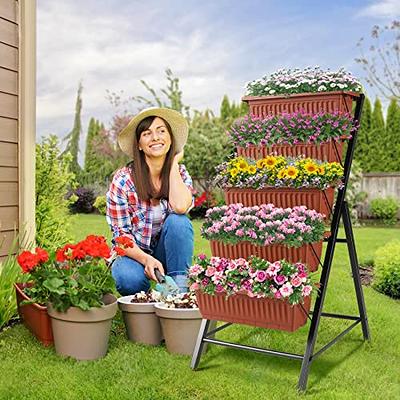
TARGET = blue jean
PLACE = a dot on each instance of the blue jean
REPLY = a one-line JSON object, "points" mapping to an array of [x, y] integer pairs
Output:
{"points": [[174, 250]]}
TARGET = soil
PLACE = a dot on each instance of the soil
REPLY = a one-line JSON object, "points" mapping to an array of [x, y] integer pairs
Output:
{"points": [[366, 274]]}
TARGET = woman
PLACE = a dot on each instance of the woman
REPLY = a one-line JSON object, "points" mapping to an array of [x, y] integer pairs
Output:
{"points": [[148, 199]]}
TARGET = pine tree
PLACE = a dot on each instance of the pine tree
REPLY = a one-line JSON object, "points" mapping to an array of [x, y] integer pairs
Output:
{"points": [[74, 136], [225, 110], [376, 149], [361, 152], [392, 143]]}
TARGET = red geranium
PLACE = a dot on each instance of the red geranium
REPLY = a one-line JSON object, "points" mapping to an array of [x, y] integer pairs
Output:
{"points": [[199, 201], [124, 243], [27, 261]]}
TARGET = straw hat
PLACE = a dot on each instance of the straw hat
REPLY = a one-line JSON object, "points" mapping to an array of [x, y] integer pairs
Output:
{"points": [[176, 121]]}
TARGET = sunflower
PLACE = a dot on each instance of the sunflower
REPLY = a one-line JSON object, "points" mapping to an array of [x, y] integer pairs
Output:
{"points": [[291, 172], [260, 163], [242, 165], [233, 172], [251, 169], [282, 174], [321, 170], [311, 168], [270, 162]]}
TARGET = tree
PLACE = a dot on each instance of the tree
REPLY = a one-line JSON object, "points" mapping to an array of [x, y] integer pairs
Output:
{"points": [[225, 110], [382, 63], [73, 137], [364, 139], [230, 111], [393, 136], [377, 146]]}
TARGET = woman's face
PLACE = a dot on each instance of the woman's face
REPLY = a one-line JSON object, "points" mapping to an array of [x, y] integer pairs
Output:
{"points": [[156, 140]]}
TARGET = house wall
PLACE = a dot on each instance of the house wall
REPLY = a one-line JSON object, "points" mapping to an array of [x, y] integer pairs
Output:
{"points": [[17, 120]]}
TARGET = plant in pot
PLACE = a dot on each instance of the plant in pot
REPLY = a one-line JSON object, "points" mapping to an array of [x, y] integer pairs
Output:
{"points": [[283, 181], [273, 233], [256, 292], [311, 89], [76, 284], [139, 314], [180, 321], [318, 135]]}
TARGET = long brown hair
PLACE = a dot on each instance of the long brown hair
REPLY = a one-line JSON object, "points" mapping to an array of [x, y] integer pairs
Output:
{"points": [[140, 170]]}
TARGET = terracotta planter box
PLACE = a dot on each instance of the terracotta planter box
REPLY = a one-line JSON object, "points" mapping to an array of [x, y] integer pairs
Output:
{"points": [[308, 254], [262, 106], [34, 316], [264, 313], [330, 152], [313, 199]]}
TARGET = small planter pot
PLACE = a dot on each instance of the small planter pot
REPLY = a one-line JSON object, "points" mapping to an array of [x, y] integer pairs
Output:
{"points": [[264, 313], [34, 316], [314, 199], [80, 334], [330, 152], [180, 328], [262, 106], [141, 322], [308, 254]]}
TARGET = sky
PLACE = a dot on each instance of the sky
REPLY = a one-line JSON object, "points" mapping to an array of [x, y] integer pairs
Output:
{"points": [[214, 47]]}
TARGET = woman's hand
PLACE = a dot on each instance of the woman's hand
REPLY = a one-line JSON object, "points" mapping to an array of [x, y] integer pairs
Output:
{"points": [[178, 156], [150, 265]]}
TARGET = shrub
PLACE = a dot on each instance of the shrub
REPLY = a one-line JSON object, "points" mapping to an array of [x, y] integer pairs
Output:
{"points": [[101, 204], [387, 269], [385, 209], [85, 200], [53, 179]]}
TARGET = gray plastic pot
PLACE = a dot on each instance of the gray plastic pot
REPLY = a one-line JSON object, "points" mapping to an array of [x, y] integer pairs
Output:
{"points": [[180, 328], [141, 322], [83, 334]]}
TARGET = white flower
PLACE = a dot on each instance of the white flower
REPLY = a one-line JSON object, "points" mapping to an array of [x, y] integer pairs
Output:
{"points": [[321, 88], [272, 91]]}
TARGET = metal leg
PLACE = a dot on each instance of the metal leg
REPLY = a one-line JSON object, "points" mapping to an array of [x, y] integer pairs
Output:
{"points": [[198, 348], [355, 271]]}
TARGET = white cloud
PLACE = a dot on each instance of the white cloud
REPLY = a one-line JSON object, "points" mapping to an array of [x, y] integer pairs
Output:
{"points": [[382, 8]]}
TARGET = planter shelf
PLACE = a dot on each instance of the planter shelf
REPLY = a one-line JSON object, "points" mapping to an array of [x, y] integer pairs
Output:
{"points": [[264, 313], [262, 106], [308, 254], [34, 316], [331, 151], [315, 199]]}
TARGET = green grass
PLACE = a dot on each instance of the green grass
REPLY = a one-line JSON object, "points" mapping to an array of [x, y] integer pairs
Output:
{"points": [[351, 369]]}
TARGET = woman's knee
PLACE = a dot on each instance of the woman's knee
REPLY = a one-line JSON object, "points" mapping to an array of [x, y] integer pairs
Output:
{"points": [[129, 276], [179, 224]]}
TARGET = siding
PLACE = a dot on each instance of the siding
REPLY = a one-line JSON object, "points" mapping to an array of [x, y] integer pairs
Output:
{"points": [[9, 201]]}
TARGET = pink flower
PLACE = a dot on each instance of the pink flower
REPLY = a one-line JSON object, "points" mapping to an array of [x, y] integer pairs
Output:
{"points": [[219, 288], [280, 279], [202, 256], [286, 290], [296, 281], [210, 271], [195, 270], [306, 290], [261, 276], [194, 286], [278, 294]]}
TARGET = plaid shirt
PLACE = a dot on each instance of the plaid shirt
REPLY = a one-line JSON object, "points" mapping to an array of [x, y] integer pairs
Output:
{"points": [[128, 215]]}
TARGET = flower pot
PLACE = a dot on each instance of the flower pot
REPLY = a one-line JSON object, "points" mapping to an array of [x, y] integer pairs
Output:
{"points": [[34, 316], [83, 334], [262, 106], [313, 199], [331, 151], [141, 322], [180, 328], [264, 312], [308, 254]]}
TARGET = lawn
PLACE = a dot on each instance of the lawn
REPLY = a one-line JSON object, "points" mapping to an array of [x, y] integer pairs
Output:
{"points": [[350, 369]]}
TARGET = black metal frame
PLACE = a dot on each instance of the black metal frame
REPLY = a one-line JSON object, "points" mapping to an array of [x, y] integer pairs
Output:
{"points": [[341, 210]]}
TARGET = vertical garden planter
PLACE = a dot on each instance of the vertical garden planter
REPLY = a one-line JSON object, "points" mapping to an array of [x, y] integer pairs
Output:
{"points": [[34, 316], [331, 151], [180, 328], [315, 199], [262, 106], [141, 322], [308, 254], [83, 335], [264, 312]]}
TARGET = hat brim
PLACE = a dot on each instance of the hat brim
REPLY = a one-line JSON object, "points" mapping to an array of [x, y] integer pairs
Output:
{"points": [[177, 122]]}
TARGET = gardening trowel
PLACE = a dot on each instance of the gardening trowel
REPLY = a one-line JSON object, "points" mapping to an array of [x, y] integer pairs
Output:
{"points": [[166, 285]]}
